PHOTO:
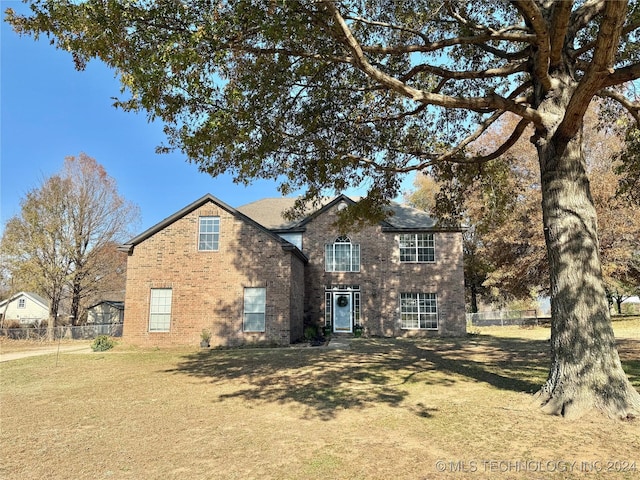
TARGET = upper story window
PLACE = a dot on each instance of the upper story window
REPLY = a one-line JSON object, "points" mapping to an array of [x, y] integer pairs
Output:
{"points": [[342, 256], [209, 233], [22, 303], [417, 247]]}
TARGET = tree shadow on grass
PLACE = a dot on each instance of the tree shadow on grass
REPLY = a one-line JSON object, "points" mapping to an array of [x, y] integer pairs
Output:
{"points": [[373, 371], [629, 352]]}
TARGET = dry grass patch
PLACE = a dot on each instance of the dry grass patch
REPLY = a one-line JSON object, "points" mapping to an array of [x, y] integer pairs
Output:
{"points": [[384, 409], [8, 345]]}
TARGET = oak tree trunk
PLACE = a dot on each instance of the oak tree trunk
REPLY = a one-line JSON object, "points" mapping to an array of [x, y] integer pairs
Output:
{"points": [[585, 372]]}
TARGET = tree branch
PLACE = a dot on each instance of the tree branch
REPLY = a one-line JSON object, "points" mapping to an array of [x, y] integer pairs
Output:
{"points": [[632, 107], [583, 15], [450, 156], [622, 75], [588, 46], [533, 16], [489, 102], [560, 15], [504, 71], [401, 28], [601, 67], [449, 42]]}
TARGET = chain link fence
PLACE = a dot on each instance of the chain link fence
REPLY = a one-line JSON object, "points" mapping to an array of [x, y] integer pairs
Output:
{"points": [[503, 318], [62, 332]]}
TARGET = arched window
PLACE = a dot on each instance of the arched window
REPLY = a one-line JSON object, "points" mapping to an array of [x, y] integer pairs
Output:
{"points": [[342, 255]]}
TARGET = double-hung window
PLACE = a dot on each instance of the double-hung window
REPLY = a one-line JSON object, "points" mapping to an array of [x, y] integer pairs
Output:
{"points": [[417, 248], [209, 233], [160, 310], [22, 303], [342, 256], [255, 300], [418, 311]]}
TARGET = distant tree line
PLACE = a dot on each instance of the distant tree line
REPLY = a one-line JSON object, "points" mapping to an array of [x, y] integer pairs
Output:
{"points": [[505, 255]]}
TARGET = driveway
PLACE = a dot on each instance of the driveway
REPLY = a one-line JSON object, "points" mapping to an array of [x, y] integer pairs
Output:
{"points": [[7, 357]]}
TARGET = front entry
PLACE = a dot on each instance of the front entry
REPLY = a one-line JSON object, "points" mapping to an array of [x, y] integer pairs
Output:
{"points": [[342, 312]]}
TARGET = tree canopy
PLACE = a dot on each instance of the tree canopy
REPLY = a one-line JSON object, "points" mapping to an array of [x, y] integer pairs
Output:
{"points": [[63, 243], [323, 94]]}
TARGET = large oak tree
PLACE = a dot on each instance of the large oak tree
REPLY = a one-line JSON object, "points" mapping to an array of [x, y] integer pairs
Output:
{"points": [[326, 94]]}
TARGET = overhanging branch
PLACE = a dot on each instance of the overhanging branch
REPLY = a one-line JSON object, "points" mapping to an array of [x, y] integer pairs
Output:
{"points": [[487, 103]]}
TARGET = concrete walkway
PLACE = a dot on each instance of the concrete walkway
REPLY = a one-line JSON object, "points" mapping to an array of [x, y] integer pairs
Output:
{"points": [[48, 350], [339, 343]]}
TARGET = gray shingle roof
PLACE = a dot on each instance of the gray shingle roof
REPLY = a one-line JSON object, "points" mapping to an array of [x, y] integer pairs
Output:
{"points": [[268, 212]]}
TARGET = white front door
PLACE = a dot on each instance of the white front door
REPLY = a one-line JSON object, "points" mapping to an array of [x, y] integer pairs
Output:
{"points": [[342, 312]]}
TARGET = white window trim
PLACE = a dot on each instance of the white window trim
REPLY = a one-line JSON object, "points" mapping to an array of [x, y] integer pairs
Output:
{"points": [[354, 255], [22, 303], [155, 326], [420, 314], [216, 235], [415, 239], [261, 309]]}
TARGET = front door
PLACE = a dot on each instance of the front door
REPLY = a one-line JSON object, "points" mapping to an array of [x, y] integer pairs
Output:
{"points": [[342, 312]]}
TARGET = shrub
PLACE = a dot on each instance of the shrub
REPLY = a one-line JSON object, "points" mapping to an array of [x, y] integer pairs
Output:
{"points": [[102, 343], [310, 332]]}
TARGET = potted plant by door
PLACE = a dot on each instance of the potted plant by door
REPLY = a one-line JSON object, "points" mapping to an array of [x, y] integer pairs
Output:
{"points": [[327, 330], [205, 337], [358, 330]]}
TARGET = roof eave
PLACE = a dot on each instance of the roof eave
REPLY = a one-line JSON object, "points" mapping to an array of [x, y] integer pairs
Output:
{"points": [[392, 229], [289, 247]]}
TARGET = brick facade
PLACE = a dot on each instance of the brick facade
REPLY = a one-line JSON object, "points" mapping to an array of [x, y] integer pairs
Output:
{"points": [[382, 277], [208, 286]]}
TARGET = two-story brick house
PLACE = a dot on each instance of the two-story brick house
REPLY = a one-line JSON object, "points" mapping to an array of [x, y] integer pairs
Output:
{"points": [[248, 275]]}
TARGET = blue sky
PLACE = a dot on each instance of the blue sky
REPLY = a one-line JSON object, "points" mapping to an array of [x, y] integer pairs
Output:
{"points": [[51, 111]]}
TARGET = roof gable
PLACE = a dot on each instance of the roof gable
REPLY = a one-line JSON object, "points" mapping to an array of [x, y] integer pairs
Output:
{"points": [[130, 245], [34, 297], [117, 304]]}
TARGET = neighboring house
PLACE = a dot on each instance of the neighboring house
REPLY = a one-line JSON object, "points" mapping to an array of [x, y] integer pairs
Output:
{"points": [[105, 312], [26, 308], [247, 275]]}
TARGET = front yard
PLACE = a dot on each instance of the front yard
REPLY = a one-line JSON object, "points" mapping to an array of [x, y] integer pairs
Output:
{"points": [[385, 409]]}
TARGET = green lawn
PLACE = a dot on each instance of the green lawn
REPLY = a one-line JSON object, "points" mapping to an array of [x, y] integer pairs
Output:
{"points": [[385, 409]]}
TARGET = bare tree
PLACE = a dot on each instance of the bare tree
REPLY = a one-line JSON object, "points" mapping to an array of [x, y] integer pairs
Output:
{"points": [[97, 218], [62, 242], [34, 244]]}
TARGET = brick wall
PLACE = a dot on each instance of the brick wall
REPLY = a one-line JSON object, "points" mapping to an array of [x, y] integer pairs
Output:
{"points": [[382, 277], [208, 287]]}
